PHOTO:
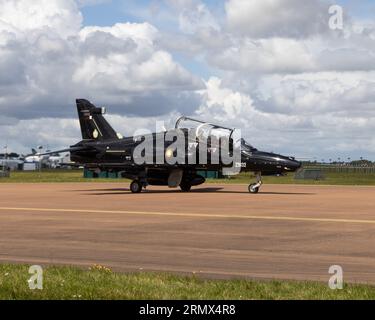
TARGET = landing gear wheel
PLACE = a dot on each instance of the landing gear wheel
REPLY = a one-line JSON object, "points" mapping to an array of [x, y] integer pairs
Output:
{"points": [[135, 187], [253, 188], [185, 186]]}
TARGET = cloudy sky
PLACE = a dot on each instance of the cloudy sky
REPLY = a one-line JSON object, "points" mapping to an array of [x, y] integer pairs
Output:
{"points": [[273, 68]]}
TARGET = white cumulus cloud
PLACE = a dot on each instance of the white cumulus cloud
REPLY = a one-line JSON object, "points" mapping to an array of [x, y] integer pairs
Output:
{"points": [[277, 18]]}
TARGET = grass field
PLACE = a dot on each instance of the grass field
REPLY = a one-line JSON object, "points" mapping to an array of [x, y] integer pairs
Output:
{"points": [[332, 178], [102, 283], [51, 176]]}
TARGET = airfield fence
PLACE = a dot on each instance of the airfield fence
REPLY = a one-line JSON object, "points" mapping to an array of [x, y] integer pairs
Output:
{"points": [[4, 172], [342, 168]]}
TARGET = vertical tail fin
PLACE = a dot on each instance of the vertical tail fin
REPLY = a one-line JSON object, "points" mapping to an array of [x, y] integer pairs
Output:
{"points": [[93, 124]]}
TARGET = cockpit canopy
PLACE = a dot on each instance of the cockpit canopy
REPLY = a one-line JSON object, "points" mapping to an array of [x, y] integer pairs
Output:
{"points": [[203, 130]]}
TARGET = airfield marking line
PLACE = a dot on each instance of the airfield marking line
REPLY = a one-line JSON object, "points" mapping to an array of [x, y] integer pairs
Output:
{"points": [[198, 215]]}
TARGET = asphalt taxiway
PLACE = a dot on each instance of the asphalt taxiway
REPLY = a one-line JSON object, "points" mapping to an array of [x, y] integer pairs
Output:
{"points": [[222, 231]]}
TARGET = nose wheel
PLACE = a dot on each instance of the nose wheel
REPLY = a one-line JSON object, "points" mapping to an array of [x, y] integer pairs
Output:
{"points": [[254, 187]]}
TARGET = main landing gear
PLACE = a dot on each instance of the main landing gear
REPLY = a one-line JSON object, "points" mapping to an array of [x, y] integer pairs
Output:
{"points": [[185, 186], [254, 187], [136, 186]]}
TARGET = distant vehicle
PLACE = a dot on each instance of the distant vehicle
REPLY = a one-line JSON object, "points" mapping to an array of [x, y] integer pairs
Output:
{"points": [[30, 166], [102, 148], [56, 161]]}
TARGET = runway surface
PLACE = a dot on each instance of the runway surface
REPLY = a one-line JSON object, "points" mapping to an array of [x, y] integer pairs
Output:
{"points": [[221, 231]]}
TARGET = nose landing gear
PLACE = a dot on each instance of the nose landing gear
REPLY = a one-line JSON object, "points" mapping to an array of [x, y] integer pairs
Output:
{"points": [[254, 187]]}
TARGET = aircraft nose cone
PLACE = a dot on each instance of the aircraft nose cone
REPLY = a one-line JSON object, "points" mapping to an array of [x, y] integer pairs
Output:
{"points": [[298, 165], [294, 164]]}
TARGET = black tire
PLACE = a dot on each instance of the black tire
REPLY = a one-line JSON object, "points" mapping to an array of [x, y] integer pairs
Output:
{"points": [[252, 188], [185, 186], [135, 187]]}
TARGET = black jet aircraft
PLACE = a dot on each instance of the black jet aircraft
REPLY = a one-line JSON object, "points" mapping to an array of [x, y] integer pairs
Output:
{"points": [[103, 149]]}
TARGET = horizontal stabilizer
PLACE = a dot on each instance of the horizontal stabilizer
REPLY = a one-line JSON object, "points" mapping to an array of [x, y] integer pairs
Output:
{"points": [[72, 149]]}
